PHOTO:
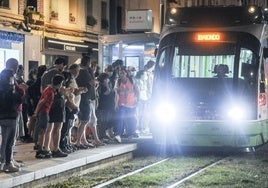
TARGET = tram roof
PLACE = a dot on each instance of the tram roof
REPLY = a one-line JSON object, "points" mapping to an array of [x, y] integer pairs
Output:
{"points": [[215, 16], [231, 18]]}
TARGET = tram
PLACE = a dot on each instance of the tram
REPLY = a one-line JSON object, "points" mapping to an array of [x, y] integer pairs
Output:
{"points": [[210, 80]]}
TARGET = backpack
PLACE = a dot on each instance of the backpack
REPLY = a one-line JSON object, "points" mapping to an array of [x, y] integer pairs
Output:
{"points": [[9, 100]]}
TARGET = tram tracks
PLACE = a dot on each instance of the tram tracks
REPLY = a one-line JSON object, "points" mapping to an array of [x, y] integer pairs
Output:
{"points": [[150, 170], [183, 170], [194, 174], [129, 174]]}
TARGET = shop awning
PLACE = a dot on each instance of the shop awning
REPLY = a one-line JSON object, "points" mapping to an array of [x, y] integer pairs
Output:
{"points": [[68, 48], [130, 38]]}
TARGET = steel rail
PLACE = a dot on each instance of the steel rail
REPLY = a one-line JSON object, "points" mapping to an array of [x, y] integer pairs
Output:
{"points": [[194, 173], [129, 174]]}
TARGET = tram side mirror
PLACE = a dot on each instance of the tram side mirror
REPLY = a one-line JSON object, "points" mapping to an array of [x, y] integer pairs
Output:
{"points": [[265, 53]]}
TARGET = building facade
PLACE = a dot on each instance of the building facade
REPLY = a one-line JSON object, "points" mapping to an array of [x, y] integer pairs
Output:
{"points": [[37, 31]]}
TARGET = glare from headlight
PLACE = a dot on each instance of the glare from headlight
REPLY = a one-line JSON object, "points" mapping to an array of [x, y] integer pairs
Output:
{"points": [[236, 113], [165, 113]]}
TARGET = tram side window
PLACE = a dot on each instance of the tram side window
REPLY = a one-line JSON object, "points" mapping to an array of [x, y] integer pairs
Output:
{"points": [[248, 72], [245, 62], [262, 81], [184, 66], [176, 66], [162, 59], [162, 63]]}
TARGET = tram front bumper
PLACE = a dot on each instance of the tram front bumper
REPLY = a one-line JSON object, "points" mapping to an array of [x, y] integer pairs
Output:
{"points": [[212, 133]]}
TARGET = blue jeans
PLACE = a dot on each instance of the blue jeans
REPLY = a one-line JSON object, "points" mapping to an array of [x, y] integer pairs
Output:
{"points": [[8, 129], [127, 116]]}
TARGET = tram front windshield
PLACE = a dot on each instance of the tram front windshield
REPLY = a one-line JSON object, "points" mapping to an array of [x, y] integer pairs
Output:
{"points": [[205, 64], [203, 59]]}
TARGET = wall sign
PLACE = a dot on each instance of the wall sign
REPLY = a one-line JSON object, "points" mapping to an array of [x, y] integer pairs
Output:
{"points": [[139, 20], [13, 37], [66, 45]]}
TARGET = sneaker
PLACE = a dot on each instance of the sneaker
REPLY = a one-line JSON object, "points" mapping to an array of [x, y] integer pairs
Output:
{"points": [[118, 138], [39, 155], [47, 154], [2, 166], [59, 153], [99, 143], [109, 134], [90, 145], [73, 147], [9, 168], [43, 154], [82, 146], [16, 163], [66, 150]]}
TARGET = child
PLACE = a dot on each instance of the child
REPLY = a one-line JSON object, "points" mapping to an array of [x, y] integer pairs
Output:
{"points": [[42, 114]]}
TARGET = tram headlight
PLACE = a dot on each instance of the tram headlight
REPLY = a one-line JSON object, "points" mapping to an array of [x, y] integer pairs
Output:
{"points": [[236, 113], [165, 113]]}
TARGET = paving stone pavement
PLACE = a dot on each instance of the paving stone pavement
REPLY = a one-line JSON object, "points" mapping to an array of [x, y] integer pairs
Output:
{"points": [[34, 169]]}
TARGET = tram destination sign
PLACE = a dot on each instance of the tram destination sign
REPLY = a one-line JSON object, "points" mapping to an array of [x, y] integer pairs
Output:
{"points": [[208, 37], [211, 37]]}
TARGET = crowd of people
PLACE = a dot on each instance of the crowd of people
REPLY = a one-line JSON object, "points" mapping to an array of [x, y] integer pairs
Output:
{"points": [[65, 108]]}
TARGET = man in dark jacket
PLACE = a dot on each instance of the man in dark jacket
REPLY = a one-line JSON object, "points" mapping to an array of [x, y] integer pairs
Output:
{"points": [[10, 98]]}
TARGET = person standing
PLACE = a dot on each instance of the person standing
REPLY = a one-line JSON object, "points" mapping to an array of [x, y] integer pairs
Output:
{"points": [[57, 110], [94, 104], [149, 70], [84, 79], [27, 107], [34, 94], [42, 114], [72, 106], [19, 76], [126, 97], [142, 110], [149, 75], [11, 97], [105, 109]]}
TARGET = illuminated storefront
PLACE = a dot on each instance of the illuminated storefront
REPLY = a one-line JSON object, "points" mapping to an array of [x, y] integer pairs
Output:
{"points": [[11, 46], [134, 49]]}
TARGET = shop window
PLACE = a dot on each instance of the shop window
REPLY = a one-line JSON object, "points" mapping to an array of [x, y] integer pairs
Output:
{"points": [[4, 3], [91, 20], [32, 3], [54, 10], [89, 7], [104, 19], [72, 11]]}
